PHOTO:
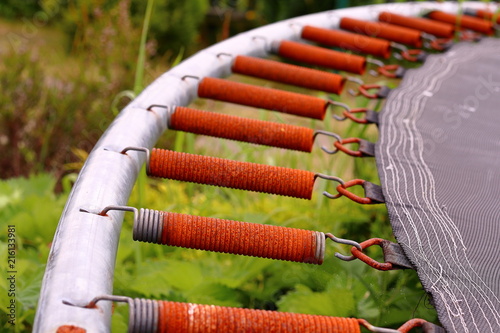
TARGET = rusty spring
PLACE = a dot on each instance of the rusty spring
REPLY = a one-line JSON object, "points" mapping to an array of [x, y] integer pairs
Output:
{"points": [[247, 130], [390, 32], [242, 175], [436, 28], [289, 74], [319, 56], [164, 316], [348, 40], [226, 236], [467, 22], [270, 99], [232, 174], [147, 315]]}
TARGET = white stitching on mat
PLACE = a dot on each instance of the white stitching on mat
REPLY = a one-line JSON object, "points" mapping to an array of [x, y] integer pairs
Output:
{"points": [[403, 139]]}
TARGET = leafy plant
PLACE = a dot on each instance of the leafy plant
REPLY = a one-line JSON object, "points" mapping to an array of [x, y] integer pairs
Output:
{"points": [[15, 9], [175, 24], [33, 208]]}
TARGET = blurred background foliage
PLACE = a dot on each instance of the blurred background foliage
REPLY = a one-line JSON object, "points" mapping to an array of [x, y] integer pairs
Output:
{"points": [[69, 66], [61, 55]]}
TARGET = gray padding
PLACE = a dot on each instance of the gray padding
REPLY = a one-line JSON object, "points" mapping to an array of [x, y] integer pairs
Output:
{"points": [[438, 158]]}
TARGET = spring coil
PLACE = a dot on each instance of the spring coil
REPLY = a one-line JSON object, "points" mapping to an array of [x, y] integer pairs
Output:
{"points": [[242, 129], [484, 14], [467, 22], [148, 226], [320, 56], [435, 28], [226, 236], [289, 74], [143, 315], [270, 99], [233, 174], [164, 316], [383, 30], [348, 41]]}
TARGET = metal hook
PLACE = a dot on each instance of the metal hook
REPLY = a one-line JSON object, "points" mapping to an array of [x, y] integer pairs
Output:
{"points": [[352, 92], [267, 47], [427, 44], [106, 209], [397, 56], [93, 302], [337, 179], [376, 329], [342, 105], [355, 80], [295, 23], [375, 62], [345, 258], [170, 111], [333, 135], [398, 46], [141, 149], [224, 54], [191, 77], [344, 241], [259, 37], [150, 108], [427, 36], [120, 208], [300, 25]]}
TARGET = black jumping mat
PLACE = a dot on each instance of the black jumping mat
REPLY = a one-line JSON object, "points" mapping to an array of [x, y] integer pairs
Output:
{"points": [[438, 158]]}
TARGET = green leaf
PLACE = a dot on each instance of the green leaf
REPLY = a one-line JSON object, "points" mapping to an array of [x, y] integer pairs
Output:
{"points": [[245, 269], [182, 275], [119, 322], [149, 280], [214, 293], [336, 302], [160, 277]]}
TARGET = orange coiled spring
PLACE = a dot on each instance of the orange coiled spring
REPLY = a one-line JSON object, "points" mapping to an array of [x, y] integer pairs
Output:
{"points": [[319, 56], [233, 174], [390, 32], [146, 315], [348, 41], [438, 29], [266, 98], [464, 21], [242, 129], [198, 318], [226, 236], [289, 74], [484, 14]]}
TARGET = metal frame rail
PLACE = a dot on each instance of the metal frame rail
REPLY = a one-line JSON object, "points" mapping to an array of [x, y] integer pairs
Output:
{"points": [[82, 258]]}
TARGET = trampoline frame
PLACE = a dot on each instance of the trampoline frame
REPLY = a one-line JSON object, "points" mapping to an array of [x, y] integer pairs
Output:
{"points": [[82, 258]]}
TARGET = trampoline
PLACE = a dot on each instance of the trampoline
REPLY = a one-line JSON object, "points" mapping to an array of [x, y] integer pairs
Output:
{"points": [[438, 159]]}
